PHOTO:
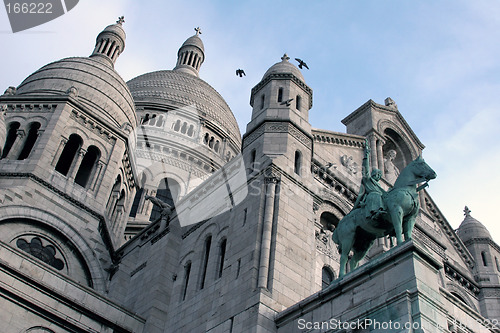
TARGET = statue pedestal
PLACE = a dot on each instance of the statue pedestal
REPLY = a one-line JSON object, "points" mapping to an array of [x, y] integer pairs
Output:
{"points": [[395, 291]]}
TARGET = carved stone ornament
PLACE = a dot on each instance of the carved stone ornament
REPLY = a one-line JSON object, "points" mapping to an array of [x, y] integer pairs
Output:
{"points": [[347, 162], [72, 92], [10, 91]]}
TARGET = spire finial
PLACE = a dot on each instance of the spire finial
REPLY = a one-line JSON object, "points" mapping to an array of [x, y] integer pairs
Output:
{"points": [[467, 211], [198, 31], [285, 57], [121, 19]]}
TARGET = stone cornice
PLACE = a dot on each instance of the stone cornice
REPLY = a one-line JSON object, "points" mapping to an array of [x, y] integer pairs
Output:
{"points": [[285, 126], [336, 138], [455, 275], [326, 177], [483, 240]]}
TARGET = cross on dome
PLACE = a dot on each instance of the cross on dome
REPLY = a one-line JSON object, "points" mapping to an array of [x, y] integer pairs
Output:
{"points": [[198, 31], [285, 57], [121, 19], [467, 211]]}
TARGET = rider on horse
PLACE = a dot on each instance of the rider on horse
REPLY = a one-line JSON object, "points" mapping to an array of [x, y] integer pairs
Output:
{"points": [[370, 192]]}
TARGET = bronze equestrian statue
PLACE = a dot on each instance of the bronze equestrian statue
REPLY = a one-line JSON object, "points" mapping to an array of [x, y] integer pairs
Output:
{"points": [[378, 213]]}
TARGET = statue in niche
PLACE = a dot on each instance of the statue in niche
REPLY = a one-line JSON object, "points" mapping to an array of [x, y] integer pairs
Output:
{"points": [[165, 210], [358, 230], [391, 171]]}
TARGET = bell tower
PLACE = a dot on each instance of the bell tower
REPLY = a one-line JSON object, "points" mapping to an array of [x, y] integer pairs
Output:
{"points": [[279, 130]]}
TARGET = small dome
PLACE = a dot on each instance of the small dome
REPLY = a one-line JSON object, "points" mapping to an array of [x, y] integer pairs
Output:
{"points": [[194, 40], [110, 43], [93, 83], [191, 55], [116, 29], [470, 228], [284, 67]]}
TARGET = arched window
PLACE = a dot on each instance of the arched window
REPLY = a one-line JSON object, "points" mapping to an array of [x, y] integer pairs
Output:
{"points": [[11, 138], [68, 154], [29, 143], [146, 118], [298, 162], [206, 255], [114, 194], [222, 256], [262, 100], [88, 166], [152, 121], [211, 142], [159, 122], [252, 160], [119, 203], [298, 102], [191, 130], [483, 256], [216, 146], [177, 126], [187, 272], [184, 128], [327, 277], [205, 138], [498, 264], [280, 95], [167, 191], [138, 197]]}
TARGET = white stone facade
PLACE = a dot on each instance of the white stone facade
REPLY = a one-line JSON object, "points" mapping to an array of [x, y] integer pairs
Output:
{"points": [[81, 249]]}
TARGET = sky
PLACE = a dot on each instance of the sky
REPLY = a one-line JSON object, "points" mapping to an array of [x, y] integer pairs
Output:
{"points": [[438, 60]]}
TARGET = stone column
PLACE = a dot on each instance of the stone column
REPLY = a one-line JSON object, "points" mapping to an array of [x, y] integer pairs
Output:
{"points": [[95, 175], [265, 248], [15, 149], [373, 154], [76, 163], [59, 150], [380, 156]]}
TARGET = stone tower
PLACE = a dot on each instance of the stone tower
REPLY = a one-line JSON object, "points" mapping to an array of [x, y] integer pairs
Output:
{"points": [[67, 159], [486, 254]]}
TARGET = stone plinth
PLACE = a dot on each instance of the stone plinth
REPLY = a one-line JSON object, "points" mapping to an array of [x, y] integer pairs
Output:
{"points": [[397, 290]]}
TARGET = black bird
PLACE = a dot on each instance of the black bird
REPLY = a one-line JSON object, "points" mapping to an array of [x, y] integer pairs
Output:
{"points": [[240, 72], [287, 102], [301, 63]]}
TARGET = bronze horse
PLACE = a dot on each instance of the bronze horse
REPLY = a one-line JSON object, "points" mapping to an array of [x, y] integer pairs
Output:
{"points": [[356, 232]]}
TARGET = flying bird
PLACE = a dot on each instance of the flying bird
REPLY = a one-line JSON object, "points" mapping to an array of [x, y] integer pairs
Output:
{"points": [[287, 102], [301, 63], [240, 72]]}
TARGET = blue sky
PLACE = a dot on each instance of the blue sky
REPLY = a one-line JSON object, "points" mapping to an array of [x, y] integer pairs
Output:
{"points": [[437, 60]]}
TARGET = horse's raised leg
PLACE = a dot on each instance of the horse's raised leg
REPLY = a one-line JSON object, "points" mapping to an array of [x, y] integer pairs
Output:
{"points": [[396, 214]]}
